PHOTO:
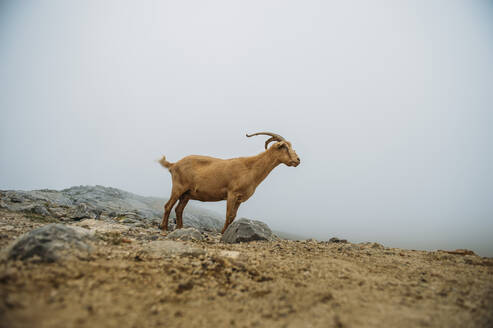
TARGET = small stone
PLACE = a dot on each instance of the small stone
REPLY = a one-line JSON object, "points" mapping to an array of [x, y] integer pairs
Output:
{"points": [[51, 243], [16, 199], [184, 287], [139, 225], [185, 234], [337, 240], [82, 211], [127, 220], [377, 245], [41, 210], [230, 254]]}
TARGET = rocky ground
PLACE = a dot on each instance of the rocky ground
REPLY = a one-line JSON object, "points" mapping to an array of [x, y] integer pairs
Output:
{"points": [[134, 277]]}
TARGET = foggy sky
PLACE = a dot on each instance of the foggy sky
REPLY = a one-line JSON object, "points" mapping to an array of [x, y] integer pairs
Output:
{"points": [[387, 103]]}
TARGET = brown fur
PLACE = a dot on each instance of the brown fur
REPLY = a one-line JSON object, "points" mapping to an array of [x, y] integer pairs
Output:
{"points": [[210, 179]]}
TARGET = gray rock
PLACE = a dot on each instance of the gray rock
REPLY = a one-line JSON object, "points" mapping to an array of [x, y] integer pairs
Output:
{"points": [[139, 225], [58, 212], [40, 210], [105, 203], [245, 230], [51, 243], [377, 245], [165, 248], [337, 240], [128, 221], [81, 211], [185, 234], [16, 199], [200, 219]]}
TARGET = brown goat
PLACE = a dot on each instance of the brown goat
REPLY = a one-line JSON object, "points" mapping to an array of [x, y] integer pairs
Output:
{"points": [[210, 179]]}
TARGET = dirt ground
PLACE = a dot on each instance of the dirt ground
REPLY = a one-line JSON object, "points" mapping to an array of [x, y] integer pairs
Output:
{"points": [[266, 284]]}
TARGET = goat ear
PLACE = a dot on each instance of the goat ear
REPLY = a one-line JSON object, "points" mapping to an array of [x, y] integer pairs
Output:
{"points": [[281, 144]]}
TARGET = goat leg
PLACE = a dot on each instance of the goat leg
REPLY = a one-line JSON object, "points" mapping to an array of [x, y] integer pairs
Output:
{"points": [[179, 210], [231, 208], [167, 210]]}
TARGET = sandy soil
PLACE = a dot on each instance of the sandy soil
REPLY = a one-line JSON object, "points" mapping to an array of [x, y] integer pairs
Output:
{"points": [[266, 284]]}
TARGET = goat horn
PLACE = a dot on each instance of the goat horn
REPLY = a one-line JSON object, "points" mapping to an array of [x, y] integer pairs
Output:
{"points": [[274, 137], [269, 140]]}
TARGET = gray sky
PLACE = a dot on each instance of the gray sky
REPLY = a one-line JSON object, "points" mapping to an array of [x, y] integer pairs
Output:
{"points": [[387, 103]]}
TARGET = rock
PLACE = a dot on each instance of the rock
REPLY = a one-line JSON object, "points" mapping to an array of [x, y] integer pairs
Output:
{"points": [[185, 234], [200, 219], [373, 245], [230, 254], [97, 202], [57, 212], [16, 199], [40, 210], [165, 248], [82, 211], [245, 230], [460, 252], [8, 228], [139, 225], [101, 226], [212, 237], [51, 243], [27, 208], [337, 240], [377, 246], [128, 220]]}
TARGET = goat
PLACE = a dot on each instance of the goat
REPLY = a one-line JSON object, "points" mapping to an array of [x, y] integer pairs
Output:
{"points": [[210, 179]]}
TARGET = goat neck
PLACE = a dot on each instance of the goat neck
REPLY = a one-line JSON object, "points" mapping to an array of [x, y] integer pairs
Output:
{"points": [[262, 164]]}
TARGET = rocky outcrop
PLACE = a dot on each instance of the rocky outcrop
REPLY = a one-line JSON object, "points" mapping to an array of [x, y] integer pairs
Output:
{"points": [[103, 203], [52, 243], [244, 230]]}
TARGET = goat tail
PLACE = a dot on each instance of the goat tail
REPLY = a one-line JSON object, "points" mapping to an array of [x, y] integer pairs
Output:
{"points": [[165, 163]]}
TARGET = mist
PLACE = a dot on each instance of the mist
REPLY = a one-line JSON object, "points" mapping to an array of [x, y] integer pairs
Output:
{"points": [[388, 105]]}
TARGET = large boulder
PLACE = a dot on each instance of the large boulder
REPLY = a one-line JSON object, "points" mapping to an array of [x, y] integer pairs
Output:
{"points": [[244, 230], [52, 243]]}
